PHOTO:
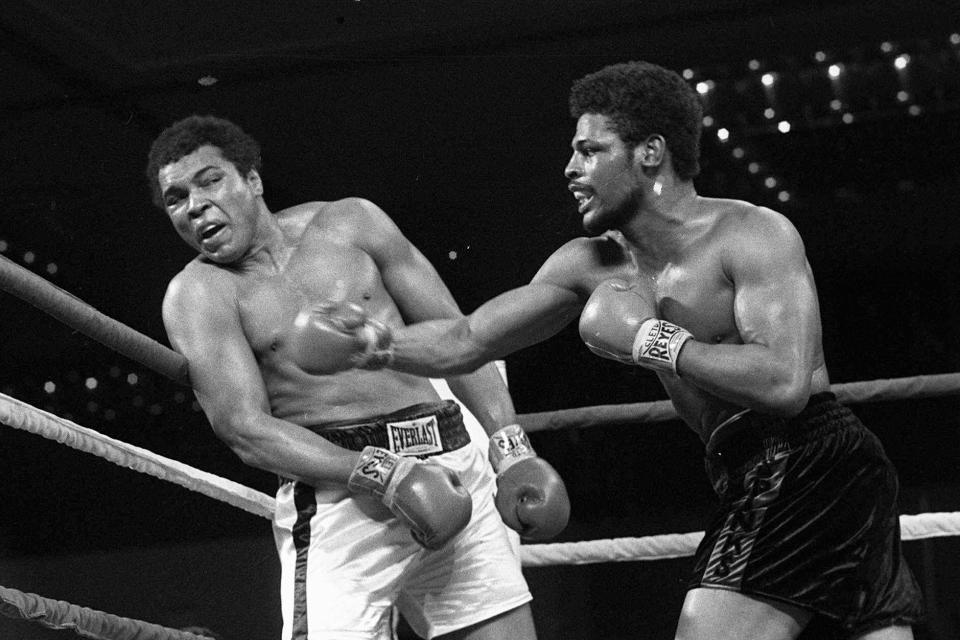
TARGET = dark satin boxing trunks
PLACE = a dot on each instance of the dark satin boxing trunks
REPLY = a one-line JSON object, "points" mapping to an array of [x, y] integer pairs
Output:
{"points": [[809, 516]]}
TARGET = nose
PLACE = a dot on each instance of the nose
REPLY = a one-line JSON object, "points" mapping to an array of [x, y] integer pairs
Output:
{"points": [[196, 205], [573, 168]]}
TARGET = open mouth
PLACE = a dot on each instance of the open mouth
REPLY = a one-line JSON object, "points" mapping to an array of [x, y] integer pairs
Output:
{"points": [[584, 198], [211, 231]]}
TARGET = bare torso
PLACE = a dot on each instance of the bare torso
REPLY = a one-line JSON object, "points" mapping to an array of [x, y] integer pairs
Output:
{"points": [[692, 290], [324, 262]]}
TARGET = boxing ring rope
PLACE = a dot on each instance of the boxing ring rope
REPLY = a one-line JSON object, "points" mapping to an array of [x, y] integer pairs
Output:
{"points": [[21, 415], [79, 315], [927, 386], [125, 340], [89, 623]]}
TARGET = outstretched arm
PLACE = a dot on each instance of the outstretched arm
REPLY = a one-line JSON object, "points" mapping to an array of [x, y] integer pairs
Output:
{"points": [[531, 497], [509, 322], [430, 344]]}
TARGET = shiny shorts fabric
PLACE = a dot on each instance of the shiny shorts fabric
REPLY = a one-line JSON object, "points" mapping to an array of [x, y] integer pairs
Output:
{"points": [[809, 517]]}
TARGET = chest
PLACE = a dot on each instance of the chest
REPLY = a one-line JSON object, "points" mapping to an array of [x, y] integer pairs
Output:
{"points": [[696, 294], [267, 304]]}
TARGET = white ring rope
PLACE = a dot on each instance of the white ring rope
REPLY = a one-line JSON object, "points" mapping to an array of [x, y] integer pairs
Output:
{"points": [[679, 545], [57, 614], [21, 415], [88, 623], [660, 547]]}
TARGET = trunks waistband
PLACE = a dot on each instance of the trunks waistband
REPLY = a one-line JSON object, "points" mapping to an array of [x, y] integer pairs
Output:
{"points": [[421, 430], [736, 443]]}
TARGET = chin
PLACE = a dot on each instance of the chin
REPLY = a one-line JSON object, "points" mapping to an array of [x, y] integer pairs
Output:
{"points": [[600, 221], [594, 225], [219, 256]]}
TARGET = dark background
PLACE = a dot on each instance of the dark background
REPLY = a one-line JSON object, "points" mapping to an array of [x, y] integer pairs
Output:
{"points": [[452, 117]]}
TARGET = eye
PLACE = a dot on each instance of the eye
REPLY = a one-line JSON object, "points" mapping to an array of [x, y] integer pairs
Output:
{"points": [[587, 151]]}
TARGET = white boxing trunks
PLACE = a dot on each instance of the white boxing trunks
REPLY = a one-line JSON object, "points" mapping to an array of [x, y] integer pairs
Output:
{"points": [[346, 561]]}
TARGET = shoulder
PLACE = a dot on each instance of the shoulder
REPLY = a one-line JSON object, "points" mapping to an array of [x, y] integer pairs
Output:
{"points": [[607, 248], [741, 222], [579, 263], [199, 285], [747, 218], [347, 217], [345, 210], [754, 234]]}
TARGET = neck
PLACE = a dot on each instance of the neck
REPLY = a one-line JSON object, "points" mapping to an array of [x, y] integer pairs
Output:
{"points": [[269, 248], [660, 226]]}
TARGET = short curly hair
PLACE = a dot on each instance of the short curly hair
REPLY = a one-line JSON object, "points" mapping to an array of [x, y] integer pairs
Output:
{"points": [[642, 99], [187, 135]]}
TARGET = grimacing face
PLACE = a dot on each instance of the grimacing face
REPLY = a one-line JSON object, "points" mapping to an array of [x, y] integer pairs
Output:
{"points": [[211, 206], [602, 174]]}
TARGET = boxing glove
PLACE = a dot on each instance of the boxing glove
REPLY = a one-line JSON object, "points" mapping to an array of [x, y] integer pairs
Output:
{"points": [[428, 498], [619, 323], [531, 497], [334, 336]]}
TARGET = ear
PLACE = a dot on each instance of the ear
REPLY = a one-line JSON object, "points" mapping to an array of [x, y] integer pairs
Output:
{"points": [[649, 153], [253, 178]]}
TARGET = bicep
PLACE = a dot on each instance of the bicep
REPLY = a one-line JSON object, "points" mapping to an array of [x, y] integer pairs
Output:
{"points": [[524, 316], [415, 286], [534, 312], [408, 276], [223, 370], [775, 300]]}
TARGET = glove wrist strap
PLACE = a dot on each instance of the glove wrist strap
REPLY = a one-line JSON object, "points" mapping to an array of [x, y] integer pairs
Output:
{"points": [[658, 343], [377, 472], [508, 446]]}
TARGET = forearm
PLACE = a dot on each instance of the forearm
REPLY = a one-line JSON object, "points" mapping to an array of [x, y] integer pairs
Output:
{"points": [[286, 449], [512, 321], [748, 375], [438, 348], [485, 394]]}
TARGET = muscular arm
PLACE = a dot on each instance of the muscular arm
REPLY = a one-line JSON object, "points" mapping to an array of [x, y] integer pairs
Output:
{"points": [[509, 322], [778, 320], [202, 324], [423, 298]]}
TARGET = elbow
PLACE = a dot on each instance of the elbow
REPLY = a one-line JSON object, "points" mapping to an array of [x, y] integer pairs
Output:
{"points": [[239, 435], [462, 366], [787, 396], [249, 455]]}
